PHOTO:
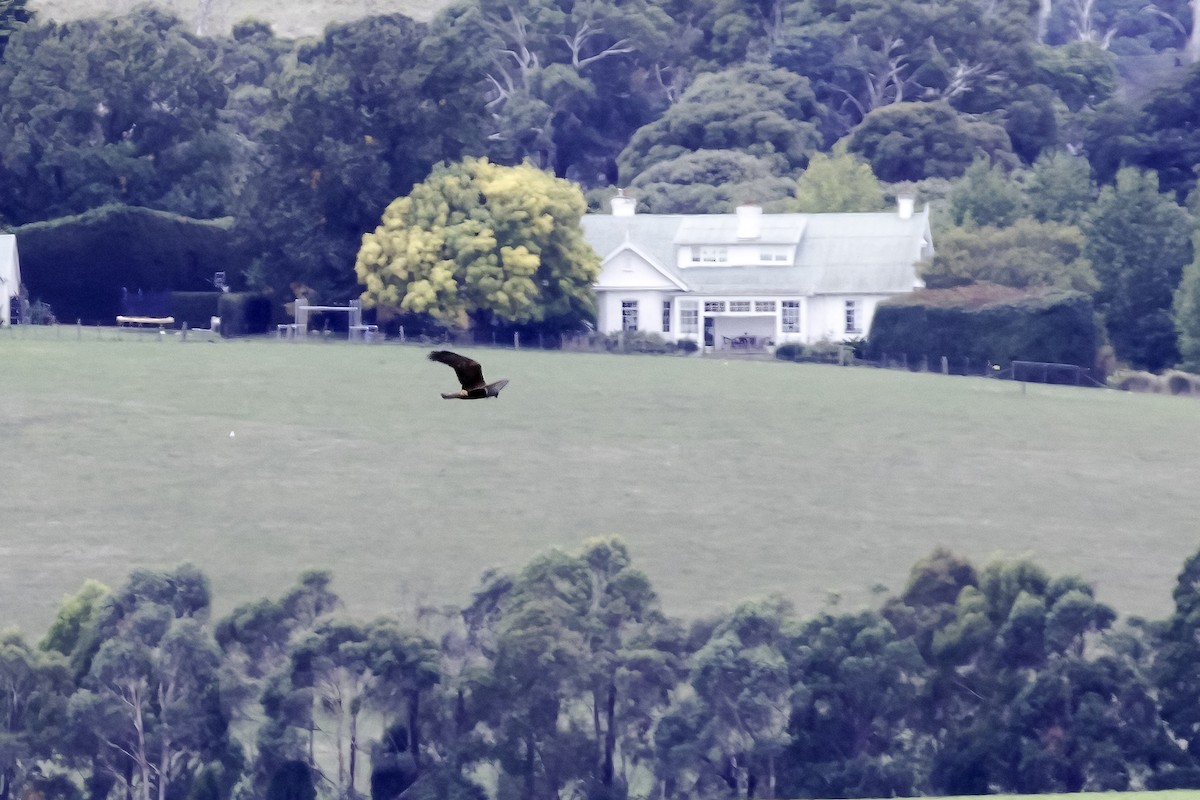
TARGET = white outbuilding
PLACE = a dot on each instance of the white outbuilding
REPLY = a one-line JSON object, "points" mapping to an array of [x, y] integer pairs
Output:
{"points": [[10, 276]]}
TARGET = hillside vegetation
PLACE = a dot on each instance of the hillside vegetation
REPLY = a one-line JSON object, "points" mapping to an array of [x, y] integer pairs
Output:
{"points": [[288, 19], [1055, 140]]}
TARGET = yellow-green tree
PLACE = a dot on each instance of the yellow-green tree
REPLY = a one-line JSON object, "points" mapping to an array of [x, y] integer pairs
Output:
{"points": [[477, 243]]}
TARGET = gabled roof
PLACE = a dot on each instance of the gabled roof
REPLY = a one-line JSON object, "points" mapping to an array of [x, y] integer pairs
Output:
{"points": [[844, 253], [723, 229], [669, 275]]}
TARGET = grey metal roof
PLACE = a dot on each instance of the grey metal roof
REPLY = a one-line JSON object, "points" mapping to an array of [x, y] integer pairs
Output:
{"points": [[845, 253], [722, 229]]}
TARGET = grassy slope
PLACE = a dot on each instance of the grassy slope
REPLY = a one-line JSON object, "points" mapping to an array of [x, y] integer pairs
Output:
{"points": [[727, 480], [289, 19]]}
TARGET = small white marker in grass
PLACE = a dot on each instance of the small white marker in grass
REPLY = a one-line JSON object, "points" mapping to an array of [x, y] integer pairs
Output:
{"points": [[231, 434]]}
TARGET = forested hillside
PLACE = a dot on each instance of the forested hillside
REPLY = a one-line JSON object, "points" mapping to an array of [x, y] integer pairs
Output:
{"points": [[1057, 140], [566, 679], [290, 19]]}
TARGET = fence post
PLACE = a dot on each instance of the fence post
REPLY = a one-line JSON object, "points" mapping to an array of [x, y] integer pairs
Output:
{"points": [[945, 366], [401, 334], [516, 340], [183, 333], [904, 359]]}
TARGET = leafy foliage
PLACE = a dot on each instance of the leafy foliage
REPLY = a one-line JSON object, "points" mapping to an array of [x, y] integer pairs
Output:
{"points": [[1027, 254], [1138, 243], [911, 141], [567, 678], [837, 183], [764, 112], [123, 110], [709, 182], [482, 242]]}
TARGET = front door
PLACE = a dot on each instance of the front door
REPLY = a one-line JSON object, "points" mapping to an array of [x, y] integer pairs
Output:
{"points": [[709, 325]]}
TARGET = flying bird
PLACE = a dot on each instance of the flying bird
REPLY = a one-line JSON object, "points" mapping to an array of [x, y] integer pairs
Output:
{"points": [[470, 375]]}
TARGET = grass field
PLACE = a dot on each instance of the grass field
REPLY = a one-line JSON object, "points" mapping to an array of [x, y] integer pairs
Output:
{"points": [[727, 480]]}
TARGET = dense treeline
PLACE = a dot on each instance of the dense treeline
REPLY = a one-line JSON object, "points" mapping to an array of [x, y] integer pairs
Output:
{"points": [[1057, 139], [567, 679]]}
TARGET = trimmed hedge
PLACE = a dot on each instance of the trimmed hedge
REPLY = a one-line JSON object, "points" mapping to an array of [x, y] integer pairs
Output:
{"points": [[80, 264], [983, 323], [195, 308], [244, 313]]}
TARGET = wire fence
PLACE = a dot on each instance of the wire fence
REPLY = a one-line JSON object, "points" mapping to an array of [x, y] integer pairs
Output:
{"points": [[837, 355]]}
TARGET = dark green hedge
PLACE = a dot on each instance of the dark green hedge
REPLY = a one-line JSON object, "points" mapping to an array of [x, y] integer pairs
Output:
{"points": [[79, 264], [195, 308], [244, 313], [982, 323]]}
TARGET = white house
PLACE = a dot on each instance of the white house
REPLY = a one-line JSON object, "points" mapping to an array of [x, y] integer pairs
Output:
{"points": [[753, 280], [10, 276]]}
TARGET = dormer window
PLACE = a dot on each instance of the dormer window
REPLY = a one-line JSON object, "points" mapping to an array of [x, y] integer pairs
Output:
{"points": [[704, 254]]}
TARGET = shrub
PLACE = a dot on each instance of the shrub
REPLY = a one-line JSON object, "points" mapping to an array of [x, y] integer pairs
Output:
{"points": [[789, 352], [637, 342], [1179, 383], [687, 346], [1134, 381]]}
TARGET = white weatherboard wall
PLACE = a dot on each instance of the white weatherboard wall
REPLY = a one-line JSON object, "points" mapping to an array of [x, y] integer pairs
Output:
{"points": [[826, 319], [649, 309], [629, 277], [10, 276]]}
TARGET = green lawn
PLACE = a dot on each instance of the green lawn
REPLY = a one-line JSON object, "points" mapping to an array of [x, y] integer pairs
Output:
{"points": [[726, 479]]}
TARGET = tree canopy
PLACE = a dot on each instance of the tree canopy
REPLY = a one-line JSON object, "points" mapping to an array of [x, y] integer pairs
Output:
{"points": [[481, 242], [566, 676]]}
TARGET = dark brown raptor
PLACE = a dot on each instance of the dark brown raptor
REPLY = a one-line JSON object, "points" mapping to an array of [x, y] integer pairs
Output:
{"points": [[470, 375]]}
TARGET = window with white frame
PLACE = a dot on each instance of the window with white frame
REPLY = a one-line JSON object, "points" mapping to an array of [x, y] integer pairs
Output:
{"points": [[704, 254], [666, 316], [689, 317], [772, 255], [764, 305], [739, 305], [852, 317], [629, 315], [714, 306], [791, 316]]}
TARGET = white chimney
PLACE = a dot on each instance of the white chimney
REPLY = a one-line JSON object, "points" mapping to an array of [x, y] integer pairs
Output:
{"points": [[623, 206], [749, 221], [904, 205]]}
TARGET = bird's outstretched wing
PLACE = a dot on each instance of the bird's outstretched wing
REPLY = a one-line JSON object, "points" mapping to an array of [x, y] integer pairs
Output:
{"points": [[469, 372]]}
